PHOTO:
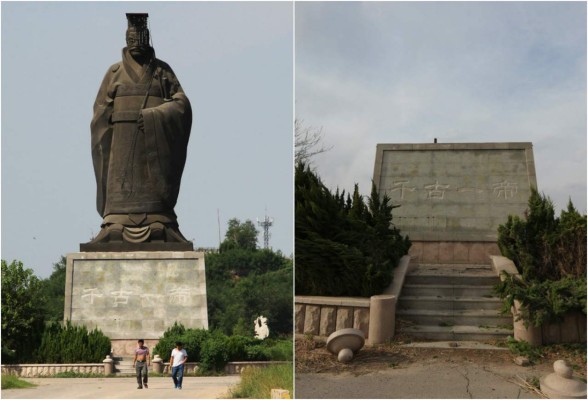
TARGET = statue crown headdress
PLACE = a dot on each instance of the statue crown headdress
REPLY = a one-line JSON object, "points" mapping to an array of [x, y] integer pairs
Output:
{"points": [[137, 29]]}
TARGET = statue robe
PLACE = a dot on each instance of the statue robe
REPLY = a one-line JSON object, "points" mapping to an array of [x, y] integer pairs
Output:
{"points": [[139, 171]]}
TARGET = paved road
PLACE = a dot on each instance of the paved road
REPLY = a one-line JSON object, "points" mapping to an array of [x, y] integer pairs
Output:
{"points": [[124, 388], [429, 381]]}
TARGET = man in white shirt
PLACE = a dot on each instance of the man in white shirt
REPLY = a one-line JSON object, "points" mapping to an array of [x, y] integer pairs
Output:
{"points": [[177, 360]]}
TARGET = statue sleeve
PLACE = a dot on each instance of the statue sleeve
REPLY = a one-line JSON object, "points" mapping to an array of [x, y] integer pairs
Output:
{"points": [[167, 131], [101, 136]]}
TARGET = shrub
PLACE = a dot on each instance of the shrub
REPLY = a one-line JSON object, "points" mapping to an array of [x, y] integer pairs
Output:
{"points": [[543, 302], [72, 344], [193, 340], [345, 246], [214, 354], [213, 349], [543, 246], [550, 255]]}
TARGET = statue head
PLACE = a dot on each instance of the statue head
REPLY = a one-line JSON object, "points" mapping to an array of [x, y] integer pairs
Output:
{"points": [[137, 34]]}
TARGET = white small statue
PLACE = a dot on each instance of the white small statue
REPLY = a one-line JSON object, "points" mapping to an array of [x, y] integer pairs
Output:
{"points": [[261, 328]]}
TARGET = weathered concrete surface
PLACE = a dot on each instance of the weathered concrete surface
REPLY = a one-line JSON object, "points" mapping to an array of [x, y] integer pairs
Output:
{"points": [[124, 388], [136, 294], [434, 380], [455, 191]]}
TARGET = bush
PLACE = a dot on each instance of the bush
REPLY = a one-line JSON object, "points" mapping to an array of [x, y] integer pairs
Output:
{"points": [[214, 354], [345, 246], [550, 255], [72, 344], [543, 246], [193, 340], [213, 349], [543, 302]]}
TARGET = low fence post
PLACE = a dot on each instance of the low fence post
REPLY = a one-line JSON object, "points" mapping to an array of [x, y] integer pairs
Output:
{"points": [[382, 318], [157, 364], [108, 365]]}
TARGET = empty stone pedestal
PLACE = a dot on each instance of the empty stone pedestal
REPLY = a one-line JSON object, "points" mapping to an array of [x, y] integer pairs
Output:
{"points": [[345, 343], [561, 384], [136, 295]]}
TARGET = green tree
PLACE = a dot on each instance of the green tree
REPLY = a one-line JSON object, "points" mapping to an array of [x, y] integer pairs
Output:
{"points": [[242, 284], [54, 291], [240, 236], [543, 246], [22, 315]]}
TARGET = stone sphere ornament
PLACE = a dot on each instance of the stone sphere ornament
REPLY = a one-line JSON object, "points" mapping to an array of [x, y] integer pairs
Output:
{"points": [[561, 384], [344, 343]]}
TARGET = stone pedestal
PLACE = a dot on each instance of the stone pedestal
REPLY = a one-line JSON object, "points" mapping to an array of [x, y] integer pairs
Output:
{"points": [[136, 295]]}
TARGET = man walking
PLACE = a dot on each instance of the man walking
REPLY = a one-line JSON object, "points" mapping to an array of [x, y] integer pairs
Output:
{"points": [[178, 358], [141, 362]]}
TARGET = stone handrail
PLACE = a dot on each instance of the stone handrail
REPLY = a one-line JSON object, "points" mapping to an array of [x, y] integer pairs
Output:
{"points": [[375, 316], [31, 370], [44, 370]]}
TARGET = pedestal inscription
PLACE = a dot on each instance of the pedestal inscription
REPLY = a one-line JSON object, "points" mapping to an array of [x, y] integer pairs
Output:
{"points": [[455, 191], [136, 294]]}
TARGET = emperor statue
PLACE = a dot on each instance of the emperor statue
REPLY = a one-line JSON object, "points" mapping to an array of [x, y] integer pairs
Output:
{"points": [[140, 131]]}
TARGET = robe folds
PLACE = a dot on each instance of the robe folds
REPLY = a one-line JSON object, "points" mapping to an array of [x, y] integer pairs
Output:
{"points": [[139, 170]]}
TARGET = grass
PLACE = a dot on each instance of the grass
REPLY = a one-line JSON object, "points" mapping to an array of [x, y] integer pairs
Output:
{"points": [[12, 382], [257, 382], [523, 348]]}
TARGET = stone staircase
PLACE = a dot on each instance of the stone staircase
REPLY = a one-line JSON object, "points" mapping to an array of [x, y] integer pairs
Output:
{"points": [[124, 365], [452, 302]]}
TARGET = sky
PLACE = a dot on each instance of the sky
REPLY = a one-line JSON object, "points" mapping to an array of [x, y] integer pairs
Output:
{"points": [[409, 72], [235, 64]]}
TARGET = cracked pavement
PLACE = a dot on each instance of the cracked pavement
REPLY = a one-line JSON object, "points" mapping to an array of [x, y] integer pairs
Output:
{"points": [[434, 379]]}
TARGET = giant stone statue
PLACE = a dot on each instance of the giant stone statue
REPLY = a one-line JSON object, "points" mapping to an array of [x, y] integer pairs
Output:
{"points": [[140, 131]]}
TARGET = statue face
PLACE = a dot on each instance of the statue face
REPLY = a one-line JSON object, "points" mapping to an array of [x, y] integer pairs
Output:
{"points": [[135, 43]]}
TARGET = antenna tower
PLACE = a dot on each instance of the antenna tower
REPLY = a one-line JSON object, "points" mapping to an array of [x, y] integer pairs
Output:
{"points": [[266, 223]]}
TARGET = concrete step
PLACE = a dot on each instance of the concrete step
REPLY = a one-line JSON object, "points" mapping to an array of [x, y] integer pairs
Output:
{"points": [[448, 290], [448, 303], [451, 279], [457, 332], [450, 274], [456, 317], [124, 365]]}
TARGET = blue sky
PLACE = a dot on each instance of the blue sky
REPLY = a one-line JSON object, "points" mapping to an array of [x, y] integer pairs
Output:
{"points": [[367, 73], [235, 63], [409, 72]]}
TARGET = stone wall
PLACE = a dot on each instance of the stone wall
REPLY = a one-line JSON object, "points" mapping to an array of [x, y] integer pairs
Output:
{"points": [[321, 316]]}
